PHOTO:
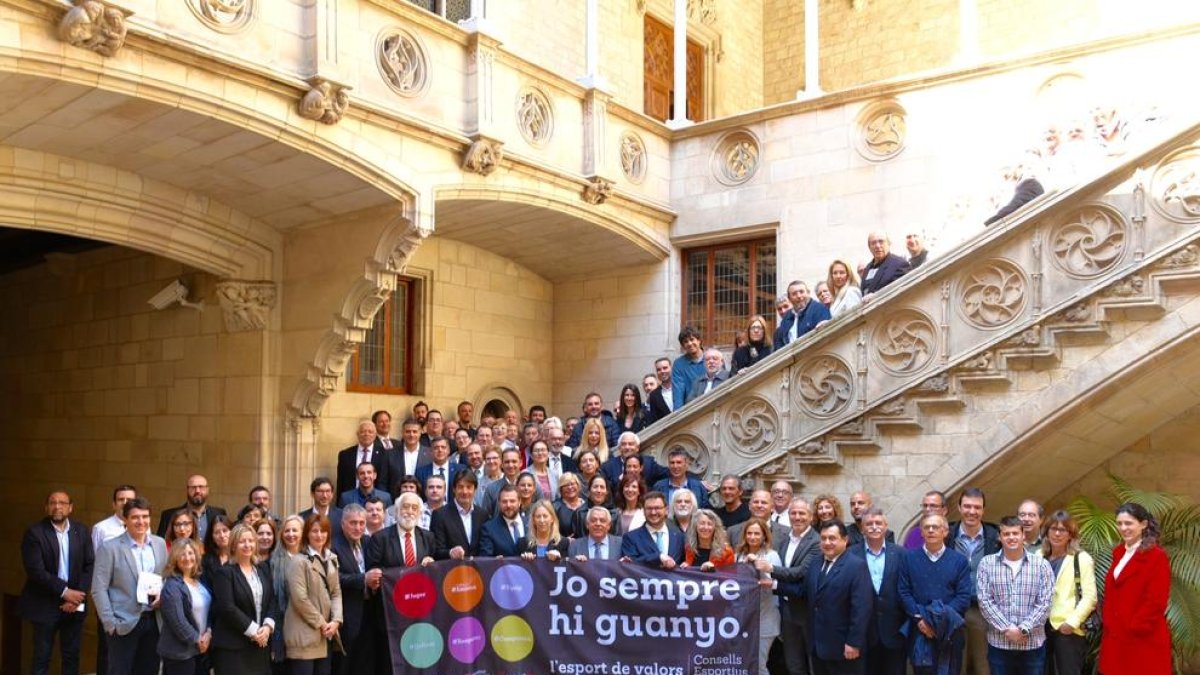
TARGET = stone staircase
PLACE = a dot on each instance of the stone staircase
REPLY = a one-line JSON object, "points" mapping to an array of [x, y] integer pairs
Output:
{"points": [[976, 353]]}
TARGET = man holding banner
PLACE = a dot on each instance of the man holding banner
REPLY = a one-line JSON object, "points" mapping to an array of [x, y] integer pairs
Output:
{"points": [[655, 543], [599, 544]]}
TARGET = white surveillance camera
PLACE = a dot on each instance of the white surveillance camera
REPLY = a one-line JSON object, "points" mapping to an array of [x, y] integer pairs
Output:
{"points": [[173, 293]]}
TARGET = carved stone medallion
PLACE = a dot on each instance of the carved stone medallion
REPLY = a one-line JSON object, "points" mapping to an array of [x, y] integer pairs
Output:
{"points": [[882, 130], [736, 157], [824, 386], [535, 117], [993, 294], [633, 157], [95, 26], [699, 458], [223, 16], [1089, 242], [402, 62], [905, 341], [752, 426], [1175, 186]]}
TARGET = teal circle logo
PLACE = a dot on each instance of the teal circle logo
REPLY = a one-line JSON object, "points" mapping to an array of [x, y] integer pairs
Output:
{"points": [[421, 645]]}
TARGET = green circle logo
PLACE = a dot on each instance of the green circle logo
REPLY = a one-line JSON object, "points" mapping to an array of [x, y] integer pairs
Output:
{"points": [[512, 638], [421, 645]]}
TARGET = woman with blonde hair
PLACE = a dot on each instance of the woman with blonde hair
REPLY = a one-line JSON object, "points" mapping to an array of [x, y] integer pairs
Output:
{"points": [[593, 438], [244, 600], [707, 545], [314, 612], [843, 285], [757, 347], [544, 539], [183, 611], [756, 546], [291, 533]]}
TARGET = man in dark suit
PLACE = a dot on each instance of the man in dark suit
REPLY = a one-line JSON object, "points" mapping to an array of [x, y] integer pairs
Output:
{"points": [[197, 503], [57, 555], [797, 551], [403, 544], [661, 401], [1027, 189], [384, 443], [803, 317], [440, 464], [358, 632], [504, 535], [629, 445], [885, 641], [654, 544], [859, 503], [366, 488], [599, 544], [321, 490], [456, 526], [840, 599], [365, 450], [885, 266], [760, 507], [408, 457], [715, 374]]}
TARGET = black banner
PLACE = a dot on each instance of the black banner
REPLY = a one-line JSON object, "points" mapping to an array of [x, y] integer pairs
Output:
{"points": [[592, 618]]}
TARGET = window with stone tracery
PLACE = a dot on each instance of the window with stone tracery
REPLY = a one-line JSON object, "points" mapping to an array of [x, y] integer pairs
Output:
{"points": [[726, 284], [383, 362], [451, 10]]}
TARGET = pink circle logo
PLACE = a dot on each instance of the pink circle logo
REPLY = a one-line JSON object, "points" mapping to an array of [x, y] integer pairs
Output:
{"points": [[466, 639]]}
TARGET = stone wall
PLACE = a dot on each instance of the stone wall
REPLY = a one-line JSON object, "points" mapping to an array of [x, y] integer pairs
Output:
{"points": [[783, 50]]}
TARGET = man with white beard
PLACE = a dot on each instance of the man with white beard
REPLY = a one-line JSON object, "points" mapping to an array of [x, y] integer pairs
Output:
{"points": [[403, 544]]}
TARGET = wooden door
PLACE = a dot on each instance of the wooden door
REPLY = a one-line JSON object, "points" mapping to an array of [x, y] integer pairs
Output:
{"points": [[659, 71]]}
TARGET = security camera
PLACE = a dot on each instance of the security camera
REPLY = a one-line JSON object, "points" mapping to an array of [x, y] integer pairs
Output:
{"points": [[173, 293]]}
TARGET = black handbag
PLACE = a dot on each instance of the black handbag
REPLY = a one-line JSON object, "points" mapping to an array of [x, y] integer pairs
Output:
{"points": [[1092, 624]]}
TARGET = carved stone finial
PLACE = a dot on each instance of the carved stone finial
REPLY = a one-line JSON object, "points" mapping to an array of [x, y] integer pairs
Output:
{"points": [[597, 190], [246, 304], [484, 156], [326, 102], [95, 26]]}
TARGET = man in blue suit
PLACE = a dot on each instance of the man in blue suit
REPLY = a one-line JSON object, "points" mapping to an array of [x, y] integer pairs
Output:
{"points": [[804, 316], [885, 266], [840, 599], [504, 535], [655, 543], [441, 465], [885, 642]]}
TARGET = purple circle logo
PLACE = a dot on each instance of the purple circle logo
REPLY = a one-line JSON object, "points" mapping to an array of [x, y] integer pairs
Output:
{"points": [[466, 639], [511, 587]]}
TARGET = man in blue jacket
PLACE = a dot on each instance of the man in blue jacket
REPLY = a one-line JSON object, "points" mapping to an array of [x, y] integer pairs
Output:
{"points": [[840, 599], [884, 268], [656, 543], [804, 316], [886, 641]]}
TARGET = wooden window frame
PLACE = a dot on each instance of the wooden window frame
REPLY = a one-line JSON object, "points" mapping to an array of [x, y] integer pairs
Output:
{"points": [[707, 330], [410, 345]]}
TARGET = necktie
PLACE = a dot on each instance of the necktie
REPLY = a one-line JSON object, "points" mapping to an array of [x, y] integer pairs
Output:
{"points": [[441, 472], [515, 533], [410, 553], [358, 557], [658, 541], [826, 566], [596, 550]]}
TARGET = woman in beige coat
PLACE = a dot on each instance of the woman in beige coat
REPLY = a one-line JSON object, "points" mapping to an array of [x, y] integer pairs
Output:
{"points": [[314, 611]]}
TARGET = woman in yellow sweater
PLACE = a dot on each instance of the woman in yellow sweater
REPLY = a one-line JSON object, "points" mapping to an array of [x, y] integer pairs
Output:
{"points": [[1074, 594]]}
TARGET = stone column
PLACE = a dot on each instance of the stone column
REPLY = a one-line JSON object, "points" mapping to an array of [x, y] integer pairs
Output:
{"points": [[679, 118], [812, 50]]}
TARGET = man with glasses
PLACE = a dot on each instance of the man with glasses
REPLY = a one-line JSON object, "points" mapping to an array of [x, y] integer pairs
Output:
{"points": [[656, 543], [1031, 513], [197, 502], [932, 504]]}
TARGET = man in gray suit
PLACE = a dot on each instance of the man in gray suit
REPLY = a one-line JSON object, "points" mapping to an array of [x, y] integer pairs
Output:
{"points": [[715, 374], [130, 625], [797, 551], [760, 507], [599, 544]]}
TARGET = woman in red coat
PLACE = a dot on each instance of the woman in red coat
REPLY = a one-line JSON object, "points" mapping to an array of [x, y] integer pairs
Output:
{"points": [[1135, 637]]}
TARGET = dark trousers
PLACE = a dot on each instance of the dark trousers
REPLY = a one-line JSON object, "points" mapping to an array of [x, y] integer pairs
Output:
{"points": [[69, 627], [137, 652], [838, 666], [795, 646], [309, 666], [776, 662], [360, 655], [184, 667], [1065, 654], [1016, 661], [101, 648], [884, 661]]}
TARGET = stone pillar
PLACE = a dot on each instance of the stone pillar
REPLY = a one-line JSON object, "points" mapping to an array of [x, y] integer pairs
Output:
{"points": [[812, 50], [679, 118], [591, 79], [485, 153], [328, 97]]}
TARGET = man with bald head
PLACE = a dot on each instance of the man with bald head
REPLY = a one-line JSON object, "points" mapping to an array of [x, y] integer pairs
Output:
{"points": [[197, 504], [859, 503], [885, 266]]}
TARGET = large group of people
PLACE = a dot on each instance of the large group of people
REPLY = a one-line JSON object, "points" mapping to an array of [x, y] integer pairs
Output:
{"points": [[301, 593]]}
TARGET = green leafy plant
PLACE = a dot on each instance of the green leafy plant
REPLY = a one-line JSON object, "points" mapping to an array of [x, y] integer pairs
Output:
{"points": [[1180, 537]]}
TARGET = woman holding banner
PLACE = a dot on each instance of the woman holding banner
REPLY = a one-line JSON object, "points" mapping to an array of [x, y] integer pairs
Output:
{"points": [[707, 545], [756, 547], [544, 539]]}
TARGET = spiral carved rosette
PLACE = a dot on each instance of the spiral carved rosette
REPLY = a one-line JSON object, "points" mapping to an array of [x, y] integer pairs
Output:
{"points": [[905, 341], [752, 426], [993, 294], [1090, 242], [1175, 187], [824, 386]]}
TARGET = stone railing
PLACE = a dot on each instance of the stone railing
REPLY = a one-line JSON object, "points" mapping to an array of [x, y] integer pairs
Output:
{"points": [[1002, 295]]}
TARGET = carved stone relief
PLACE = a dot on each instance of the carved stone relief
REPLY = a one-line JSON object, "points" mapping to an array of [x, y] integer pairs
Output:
{"points": [[736, 157], [246, 304], [993, 294], [1127, 287], [326, 102], [224, 16], [699, 458], [751, 426], [483, 156], [824, 386], [1184, 257], [881, 130], [704, 10], [402, 62], [1089, 242], [535, 117], [597, 190], [633, 157], [1077, 313], [1030, 337], [95, 26], [905, 341], [1175, 186]]}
